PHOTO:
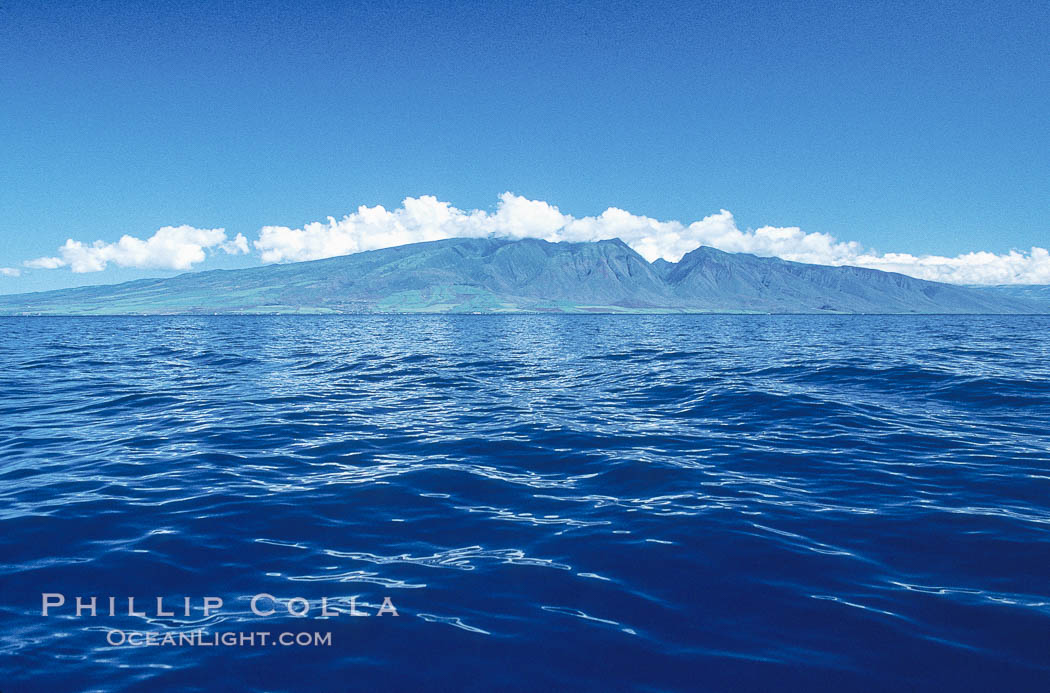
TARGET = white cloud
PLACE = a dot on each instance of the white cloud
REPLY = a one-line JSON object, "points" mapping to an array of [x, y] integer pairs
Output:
{"points": [[238, 245], [419, 219], [426, 219], [1015, 267], [10, 272], [45, 263], [172, 247]]}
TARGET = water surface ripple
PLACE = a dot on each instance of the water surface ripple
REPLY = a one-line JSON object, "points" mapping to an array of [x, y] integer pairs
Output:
{"points": [[551, 502]]}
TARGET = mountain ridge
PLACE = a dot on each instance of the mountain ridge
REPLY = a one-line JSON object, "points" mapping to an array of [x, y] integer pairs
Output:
{"points": [[497, 275]]}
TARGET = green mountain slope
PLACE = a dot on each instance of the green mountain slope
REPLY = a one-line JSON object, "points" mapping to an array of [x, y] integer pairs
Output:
{"points": [[500, 275]]}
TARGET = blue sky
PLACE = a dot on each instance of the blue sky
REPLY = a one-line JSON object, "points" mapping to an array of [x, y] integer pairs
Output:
{"points": [[914, 128]]}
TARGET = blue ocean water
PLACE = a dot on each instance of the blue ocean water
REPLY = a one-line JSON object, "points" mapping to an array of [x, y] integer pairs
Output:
{"points": [[549, 502]]}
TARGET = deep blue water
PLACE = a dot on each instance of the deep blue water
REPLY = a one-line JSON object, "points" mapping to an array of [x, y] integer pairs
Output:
{"points": [[550, 502]]}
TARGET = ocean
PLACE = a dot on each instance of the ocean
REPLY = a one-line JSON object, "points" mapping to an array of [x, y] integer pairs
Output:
{"points": [[525, 502]]}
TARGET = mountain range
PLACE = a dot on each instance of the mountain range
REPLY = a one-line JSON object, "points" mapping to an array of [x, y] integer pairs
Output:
{"points": [[493, 275]]}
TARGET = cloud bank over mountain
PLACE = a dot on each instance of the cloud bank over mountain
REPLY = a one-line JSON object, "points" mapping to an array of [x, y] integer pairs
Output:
{"points": [[426, 218]]}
